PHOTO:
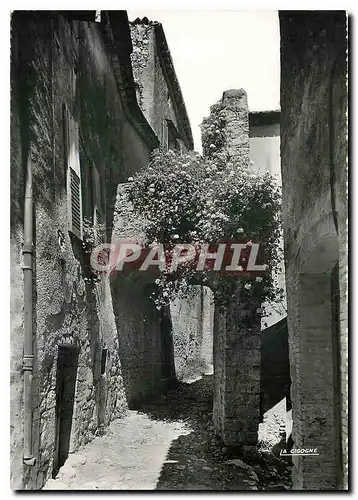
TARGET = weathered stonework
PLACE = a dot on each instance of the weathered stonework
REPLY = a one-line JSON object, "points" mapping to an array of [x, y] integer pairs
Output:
{"points": [[314, 177], [158, 88], [237, 370], [236, 115], [236, 411], [59, 59], [192, 321]]}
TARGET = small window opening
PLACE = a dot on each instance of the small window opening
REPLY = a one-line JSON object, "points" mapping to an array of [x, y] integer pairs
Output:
{"points": [[103, 361]]}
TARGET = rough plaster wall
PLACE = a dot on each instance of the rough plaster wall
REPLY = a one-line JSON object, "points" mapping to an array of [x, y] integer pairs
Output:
{"points": [[313, 152], [139, 337], [340, 159], [139, 324], [163, 107], [16, 279], [192, 321], [68, 311], [153, 89], [143, 65]]}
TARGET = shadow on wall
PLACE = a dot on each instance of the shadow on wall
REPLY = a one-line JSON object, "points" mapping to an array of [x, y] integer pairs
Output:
{"points": [[275, 367], [193, 321], [144, 338], [194, 460]]}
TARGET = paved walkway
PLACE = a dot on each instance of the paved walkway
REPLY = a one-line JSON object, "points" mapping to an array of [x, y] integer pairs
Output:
{"points": [[129, 456], [169, 445]]}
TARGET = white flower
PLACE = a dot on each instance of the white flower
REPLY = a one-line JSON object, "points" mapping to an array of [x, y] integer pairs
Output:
{"points": [[175, 236], [130, 179], [157, 281], [247, 286], [212, 146], [151, 190], [240, 230], [240, 268], [258, 279]]}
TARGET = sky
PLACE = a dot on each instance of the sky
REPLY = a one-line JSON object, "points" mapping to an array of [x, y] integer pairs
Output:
{"points": [[218, 50]]}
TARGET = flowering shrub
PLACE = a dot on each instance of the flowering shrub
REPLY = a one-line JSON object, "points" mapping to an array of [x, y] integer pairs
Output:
{"points": [[197, 200], [92, 236], [213, 132]]}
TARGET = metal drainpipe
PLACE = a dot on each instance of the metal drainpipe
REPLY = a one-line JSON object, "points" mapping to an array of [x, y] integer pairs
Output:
{"points": [[28, 359]]}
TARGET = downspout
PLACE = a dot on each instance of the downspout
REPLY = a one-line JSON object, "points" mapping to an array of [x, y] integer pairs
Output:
{"points": [[28, 359]]}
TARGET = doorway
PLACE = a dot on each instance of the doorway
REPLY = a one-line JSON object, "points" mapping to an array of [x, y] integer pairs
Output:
{"points": [[67, 364]]}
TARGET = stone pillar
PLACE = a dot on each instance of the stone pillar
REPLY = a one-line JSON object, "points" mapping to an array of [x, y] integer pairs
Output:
{"points": [[315, 397], [236, 113], [237, 341], [207, 324], [236, 410]]}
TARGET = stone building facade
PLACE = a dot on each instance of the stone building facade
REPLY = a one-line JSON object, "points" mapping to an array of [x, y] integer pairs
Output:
{"points": [[77, 133], [315, 209], [157, 86], [161, 100]]}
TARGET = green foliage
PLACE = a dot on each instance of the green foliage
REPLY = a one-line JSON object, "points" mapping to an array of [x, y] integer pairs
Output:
{"points": [[192, 199], [213, 132]]}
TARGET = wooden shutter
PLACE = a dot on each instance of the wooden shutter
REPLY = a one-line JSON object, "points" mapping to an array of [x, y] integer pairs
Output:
{"points": [[74, 190], [98, 212]]}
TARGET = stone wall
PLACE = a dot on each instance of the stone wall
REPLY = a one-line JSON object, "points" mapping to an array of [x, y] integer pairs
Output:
{"points": [[144, 333], [236, 410], [155, 96], [58, 60], [314, 176], [237, 370], [235, 113], [158, 89], [192, 321]]}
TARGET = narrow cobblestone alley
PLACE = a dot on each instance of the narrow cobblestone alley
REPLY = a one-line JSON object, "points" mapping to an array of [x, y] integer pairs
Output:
{"points": [[168, 445]]}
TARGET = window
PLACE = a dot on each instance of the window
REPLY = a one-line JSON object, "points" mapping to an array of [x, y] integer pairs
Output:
{"points": [[104, 361], [73, 174]]}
